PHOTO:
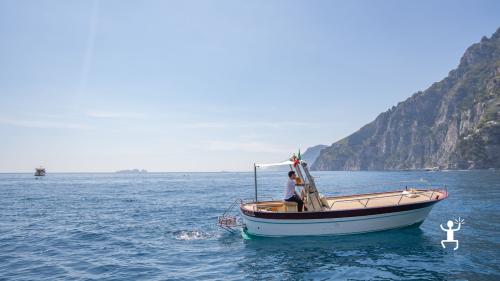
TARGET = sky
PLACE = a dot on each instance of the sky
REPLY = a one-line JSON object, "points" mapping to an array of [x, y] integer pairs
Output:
{"points": [[100, 86]]}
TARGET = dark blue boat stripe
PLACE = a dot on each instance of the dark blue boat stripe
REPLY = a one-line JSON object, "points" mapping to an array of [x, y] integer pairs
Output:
{"points": [[315, 222], [337, 214]]}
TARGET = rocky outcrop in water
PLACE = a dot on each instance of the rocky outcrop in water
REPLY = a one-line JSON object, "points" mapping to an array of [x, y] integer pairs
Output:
{"points": [[454, 124], [133, 171]]}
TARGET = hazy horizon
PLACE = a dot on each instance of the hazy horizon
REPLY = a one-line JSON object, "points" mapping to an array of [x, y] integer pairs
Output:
{"points": [[206, 86]]}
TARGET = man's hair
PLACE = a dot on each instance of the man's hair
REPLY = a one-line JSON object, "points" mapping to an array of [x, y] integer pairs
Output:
{"points": [[291, 173]]}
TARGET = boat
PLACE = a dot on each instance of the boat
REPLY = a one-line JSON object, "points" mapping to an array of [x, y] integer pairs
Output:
{"points": [[40, 172], [337, 215], [432, 169]]}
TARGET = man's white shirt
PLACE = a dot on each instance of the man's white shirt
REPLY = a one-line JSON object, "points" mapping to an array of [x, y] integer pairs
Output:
{"points": [[289, 188]]}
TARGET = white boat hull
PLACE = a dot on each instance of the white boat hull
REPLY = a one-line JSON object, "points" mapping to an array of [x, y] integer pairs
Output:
{"points": [[333, 226]]}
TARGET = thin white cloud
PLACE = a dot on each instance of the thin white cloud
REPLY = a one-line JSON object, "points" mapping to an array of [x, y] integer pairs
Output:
{"points": [[89, 48], [43, 124], [110, 114], [252, 146], [208, 125], [227, 125]]}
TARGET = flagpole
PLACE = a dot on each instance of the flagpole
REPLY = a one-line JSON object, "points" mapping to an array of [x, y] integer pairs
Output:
{"points": [[255, 180]]}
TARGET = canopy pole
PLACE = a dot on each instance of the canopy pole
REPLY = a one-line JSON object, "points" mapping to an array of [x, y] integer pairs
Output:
{"points": [[255, 180]]}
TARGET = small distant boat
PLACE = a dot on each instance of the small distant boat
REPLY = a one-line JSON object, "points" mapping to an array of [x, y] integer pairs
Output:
{"points": [[432, 169], [39, 172], [338, 215]]}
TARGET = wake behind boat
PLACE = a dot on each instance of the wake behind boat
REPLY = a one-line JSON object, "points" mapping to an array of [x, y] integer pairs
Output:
{"points": [[338, 215]]}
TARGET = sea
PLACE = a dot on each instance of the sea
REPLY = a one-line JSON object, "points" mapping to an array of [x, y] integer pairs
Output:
{"points": [[162, 226]]}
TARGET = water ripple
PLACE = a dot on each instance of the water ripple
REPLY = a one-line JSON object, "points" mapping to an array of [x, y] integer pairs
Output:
{"points": [[162, 227]]}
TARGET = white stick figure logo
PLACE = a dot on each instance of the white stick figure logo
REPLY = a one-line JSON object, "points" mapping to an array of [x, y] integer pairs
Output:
{"points": [[450, 232]]}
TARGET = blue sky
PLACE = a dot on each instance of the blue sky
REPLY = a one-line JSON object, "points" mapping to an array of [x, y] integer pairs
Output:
{"points": [[212, 85]]}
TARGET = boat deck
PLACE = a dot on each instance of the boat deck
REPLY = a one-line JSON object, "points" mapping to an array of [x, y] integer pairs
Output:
{"points": [[358, 201]]}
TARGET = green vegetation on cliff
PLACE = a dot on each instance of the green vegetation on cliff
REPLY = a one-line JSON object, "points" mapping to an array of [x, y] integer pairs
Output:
{"points": [[454, 124]]}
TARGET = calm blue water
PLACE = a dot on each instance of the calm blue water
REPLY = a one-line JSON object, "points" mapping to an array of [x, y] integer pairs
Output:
{"points": [[162, 226]]}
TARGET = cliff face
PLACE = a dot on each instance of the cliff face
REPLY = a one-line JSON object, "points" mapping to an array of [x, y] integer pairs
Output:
{"points": [[454, 124], [312, 153]]}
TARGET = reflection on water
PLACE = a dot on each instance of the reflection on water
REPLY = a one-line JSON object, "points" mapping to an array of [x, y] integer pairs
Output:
{"points": [[387, 254]]}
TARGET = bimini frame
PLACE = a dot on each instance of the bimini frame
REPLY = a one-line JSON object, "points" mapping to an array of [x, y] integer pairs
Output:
{"points": [[311, 196], [260, 165]]}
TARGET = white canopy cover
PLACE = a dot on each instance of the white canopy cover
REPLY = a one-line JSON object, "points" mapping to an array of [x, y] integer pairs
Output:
{"points": [[288, 162]]}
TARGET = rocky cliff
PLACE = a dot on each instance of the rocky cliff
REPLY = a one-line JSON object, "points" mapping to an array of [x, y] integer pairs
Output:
{"points": [[312, 153], [454, 124]]}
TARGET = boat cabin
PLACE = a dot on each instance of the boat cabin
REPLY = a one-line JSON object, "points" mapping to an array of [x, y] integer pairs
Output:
{"points": [[40, 172]]}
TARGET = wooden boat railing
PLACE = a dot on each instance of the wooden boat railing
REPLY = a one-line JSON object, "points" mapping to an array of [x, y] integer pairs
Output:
{"points": [[401, 195], [425, 192]]}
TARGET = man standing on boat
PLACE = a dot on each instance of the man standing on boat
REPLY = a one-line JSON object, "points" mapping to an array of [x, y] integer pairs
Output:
{"points": [[290, 193]]}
